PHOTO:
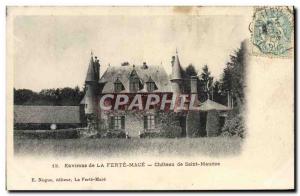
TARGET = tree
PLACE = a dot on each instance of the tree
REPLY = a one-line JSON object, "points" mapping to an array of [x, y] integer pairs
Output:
{"points": [[188, 73], [233, 79], [217, 93], [59, 96], [206, 83], [191, 70], [24, 96], [233, 82]]}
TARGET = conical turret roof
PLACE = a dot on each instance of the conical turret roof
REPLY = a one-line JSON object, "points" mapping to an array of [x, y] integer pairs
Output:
{"points": [[176, 68], [91, 73]]}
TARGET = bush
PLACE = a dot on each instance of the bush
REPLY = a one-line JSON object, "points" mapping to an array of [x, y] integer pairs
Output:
{"points": [[166, 132], [234, 125], [150, 135], [47, 134], [171, 131], [114, 134]]}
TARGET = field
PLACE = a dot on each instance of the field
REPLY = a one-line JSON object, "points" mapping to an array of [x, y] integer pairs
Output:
{"points": [[81, 147]]}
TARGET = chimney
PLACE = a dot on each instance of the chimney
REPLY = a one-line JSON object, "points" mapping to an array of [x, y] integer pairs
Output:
{"points": [[193, 86], [125, 63], [145, 66]]}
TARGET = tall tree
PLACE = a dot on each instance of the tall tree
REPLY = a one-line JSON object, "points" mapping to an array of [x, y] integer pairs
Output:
{"points": [[233, 82], [217, 93], [191, 70], [206, 83], [188, 73], [233, 79]]}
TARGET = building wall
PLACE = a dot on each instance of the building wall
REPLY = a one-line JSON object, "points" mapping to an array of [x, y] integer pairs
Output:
{"points": [[177, 86], [134, 121], [134, 124], [212, 123], [165, 122], [192, 124], [91, 102]]}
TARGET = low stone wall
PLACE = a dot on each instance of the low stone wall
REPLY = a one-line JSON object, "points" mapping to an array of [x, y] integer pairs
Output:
{"points": [[47, 134]]}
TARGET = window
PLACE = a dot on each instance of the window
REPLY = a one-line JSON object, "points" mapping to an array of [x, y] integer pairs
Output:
{"points": [[134, 82], [117, 122], [134, 85], [150, 86], [149, 122], [118, 86]]}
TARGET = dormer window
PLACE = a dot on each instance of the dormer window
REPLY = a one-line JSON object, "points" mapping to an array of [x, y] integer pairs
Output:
{"points": [[134, 85], [151, 86], [118, 86], [134, 82]]}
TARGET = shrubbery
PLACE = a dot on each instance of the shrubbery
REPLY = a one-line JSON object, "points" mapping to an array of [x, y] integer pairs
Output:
{"points": [[47, 134], [171, 131], [114, 134], [234, 125], [166, 132], [150, 135]]}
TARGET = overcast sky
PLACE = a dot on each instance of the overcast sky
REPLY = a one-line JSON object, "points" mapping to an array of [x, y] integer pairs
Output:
{"points": [[54, 51]]}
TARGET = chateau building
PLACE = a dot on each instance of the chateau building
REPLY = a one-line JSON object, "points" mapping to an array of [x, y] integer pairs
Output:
{"points": [[143, 80]]}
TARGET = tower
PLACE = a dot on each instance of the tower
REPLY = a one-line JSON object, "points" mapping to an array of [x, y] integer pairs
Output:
{"points": [[176, 78], [90, 100]]}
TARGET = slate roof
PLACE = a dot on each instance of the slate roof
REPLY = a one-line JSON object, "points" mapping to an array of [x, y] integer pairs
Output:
{"points": [[211, 105], [91, 73], [177, 71], [156, 72], [46, 114]]}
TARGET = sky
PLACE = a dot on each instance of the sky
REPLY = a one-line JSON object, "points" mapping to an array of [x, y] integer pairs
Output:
{"points": [[54, 51]]}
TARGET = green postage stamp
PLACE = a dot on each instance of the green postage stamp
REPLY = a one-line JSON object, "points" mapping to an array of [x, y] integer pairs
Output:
{"points": [[273, 31]]}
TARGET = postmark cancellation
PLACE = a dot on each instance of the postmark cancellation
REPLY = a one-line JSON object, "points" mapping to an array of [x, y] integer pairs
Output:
{"points": [[272, 32]]}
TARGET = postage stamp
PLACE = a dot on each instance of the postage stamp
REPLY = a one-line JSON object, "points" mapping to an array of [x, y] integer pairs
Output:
{"points": [[272, 31]]}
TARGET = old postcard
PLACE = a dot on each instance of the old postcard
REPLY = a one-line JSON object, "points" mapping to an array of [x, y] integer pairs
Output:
{"points": [[150, 98]]}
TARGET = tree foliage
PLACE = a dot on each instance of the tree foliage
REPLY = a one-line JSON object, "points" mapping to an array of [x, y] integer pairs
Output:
{"points": [[191, 71], [233, 79], [59, 96], [233, 82], [205, 84]]}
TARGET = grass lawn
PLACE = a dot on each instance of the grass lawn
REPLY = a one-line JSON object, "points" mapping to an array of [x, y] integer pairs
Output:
{"points": [[213, 146]]}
